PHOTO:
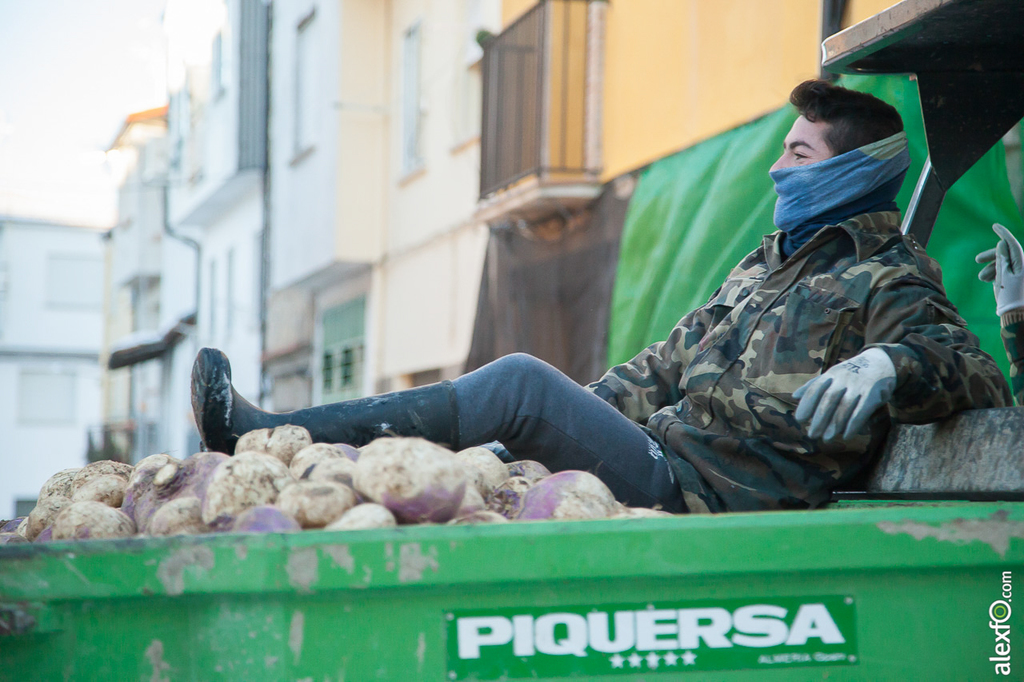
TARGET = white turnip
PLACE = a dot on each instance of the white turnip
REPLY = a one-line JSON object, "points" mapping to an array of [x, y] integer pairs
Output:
{"points": [[282, 442], [364, 516], [46, 510], [59, 484], [483, 468], [310, 455], [482, 516], [246, 480], [180, 516], [106, 467], [314, 504], [335, 470], [91, 520], [108, 489]]}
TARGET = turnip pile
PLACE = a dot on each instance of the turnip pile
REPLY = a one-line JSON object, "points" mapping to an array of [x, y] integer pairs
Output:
{"points": [[279, 481]]}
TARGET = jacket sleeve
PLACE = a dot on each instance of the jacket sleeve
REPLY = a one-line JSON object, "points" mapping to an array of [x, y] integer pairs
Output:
{"points": [[940, 367], [650, 381], [1013, 340]]}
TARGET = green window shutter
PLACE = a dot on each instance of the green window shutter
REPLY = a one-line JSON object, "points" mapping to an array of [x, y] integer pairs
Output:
{"points": [[343, 349]]}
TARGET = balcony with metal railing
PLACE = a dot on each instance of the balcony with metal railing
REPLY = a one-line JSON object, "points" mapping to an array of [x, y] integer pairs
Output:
{"points": [[540, 135]]}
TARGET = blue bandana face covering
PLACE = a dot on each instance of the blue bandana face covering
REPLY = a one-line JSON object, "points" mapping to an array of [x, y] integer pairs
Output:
{"points": [[828, 192]]}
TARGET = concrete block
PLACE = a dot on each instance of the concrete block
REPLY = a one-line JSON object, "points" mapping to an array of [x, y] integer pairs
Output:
{"points": [[974, 451]]}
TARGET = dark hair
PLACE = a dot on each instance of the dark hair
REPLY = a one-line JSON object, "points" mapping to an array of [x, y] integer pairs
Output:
{"points": [[854, 118]]}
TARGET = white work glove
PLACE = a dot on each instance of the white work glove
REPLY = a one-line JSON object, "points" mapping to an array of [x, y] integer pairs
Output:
{"points": [[837, 404], [1005, 270]]}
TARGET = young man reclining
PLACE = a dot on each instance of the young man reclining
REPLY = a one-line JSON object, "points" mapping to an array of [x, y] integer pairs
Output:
{"points": [[779, 389]]}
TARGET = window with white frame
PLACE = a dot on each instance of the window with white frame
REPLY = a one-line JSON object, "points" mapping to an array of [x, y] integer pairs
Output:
{"points": [[412, 158], [74, 281], [305, 84], [46, 397]]}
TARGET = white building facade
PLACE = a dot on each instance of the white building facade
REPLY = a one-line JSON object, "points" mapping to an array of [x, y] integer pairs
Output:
{"points": [[51, 302], [217, 151], [375, 257]]}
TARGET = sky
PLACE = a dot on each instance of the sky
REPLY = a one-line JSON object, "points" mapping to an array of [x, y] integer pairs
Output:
{"points": [[70, 72]]}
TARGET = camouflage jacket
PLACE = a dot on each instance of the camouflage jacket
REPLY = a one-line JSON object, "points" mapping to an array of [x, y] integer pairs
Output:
{"points": [[1013, 339], [718, 393]]}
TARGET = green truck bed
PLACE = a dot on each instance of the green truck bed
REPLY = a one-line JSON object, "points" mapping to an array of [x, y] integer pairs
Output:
{"points": [[886, 592]]}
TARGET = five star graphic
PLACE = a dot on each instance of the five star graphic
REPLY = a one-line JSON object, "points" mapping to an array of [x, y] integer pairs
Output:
{"points": [[653, 660]]}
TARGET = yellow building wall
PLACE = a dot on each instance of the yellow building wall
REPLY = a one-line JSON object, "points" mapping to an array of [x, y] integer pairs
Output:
{"points": [[859, 10], [679, 71], [513, 9]]}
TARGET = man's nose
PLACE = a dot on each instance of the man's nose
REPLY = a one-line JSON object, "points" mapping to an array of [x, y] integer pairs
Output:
{"points": [[778, 164]]}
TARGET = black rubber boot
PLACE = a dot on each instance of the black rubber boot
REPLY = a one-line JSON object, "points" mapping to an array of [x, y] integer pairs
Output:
{"points": [[222, 415]]}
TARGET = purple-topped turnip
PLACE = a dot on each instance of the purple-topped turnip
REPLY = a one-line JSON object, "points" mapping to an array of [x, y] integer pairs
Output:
{"points": [[12, 525], [528, 469], [414, 478], [507, 498], [568, 495], [11, 539], [264, 518]]}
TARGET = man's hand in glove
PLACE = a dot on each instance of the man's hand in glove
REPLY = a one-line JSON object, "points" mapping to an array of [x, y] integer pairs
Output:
{"points": [[837, 404], [1005, 270]]}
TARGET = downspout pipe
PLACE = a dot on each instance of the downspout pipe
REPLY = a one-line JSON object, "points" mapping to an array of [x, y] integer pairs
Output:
{"points": [[267, 205], [187, 241]]}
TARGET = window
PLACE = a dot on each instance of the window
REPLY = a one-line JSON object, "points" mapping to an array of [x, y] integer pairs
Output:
{"points": [[343, 343], [74, 281], [305, 84], [218, 66], [411, 109], [229, 292], [46, 397], [257, 278], [212, 299]]}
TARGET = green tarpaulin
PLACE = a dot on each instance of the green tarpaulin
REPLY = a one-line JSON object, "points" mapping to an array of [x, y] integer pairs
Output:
{"points": [[696, 213]]}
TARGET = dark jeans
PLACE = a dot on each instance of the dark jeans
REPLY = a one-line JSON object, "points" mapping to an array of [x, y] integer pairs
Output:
{"points": [[538, 413]]}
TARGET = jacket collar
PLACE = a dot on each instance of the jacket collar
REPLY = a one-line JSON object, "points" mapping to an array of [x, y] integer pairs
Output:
{"points": [[869, 232]]}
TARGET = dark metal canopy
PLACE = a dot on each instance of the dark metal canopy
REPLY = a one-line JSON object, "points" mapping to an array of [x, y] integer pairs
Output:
{"points": [[968, 56]]}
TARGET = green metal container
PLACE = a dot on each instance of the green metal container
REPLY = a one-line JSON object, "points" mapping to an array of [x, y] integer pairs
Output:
{"points": [[915, 592]]}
